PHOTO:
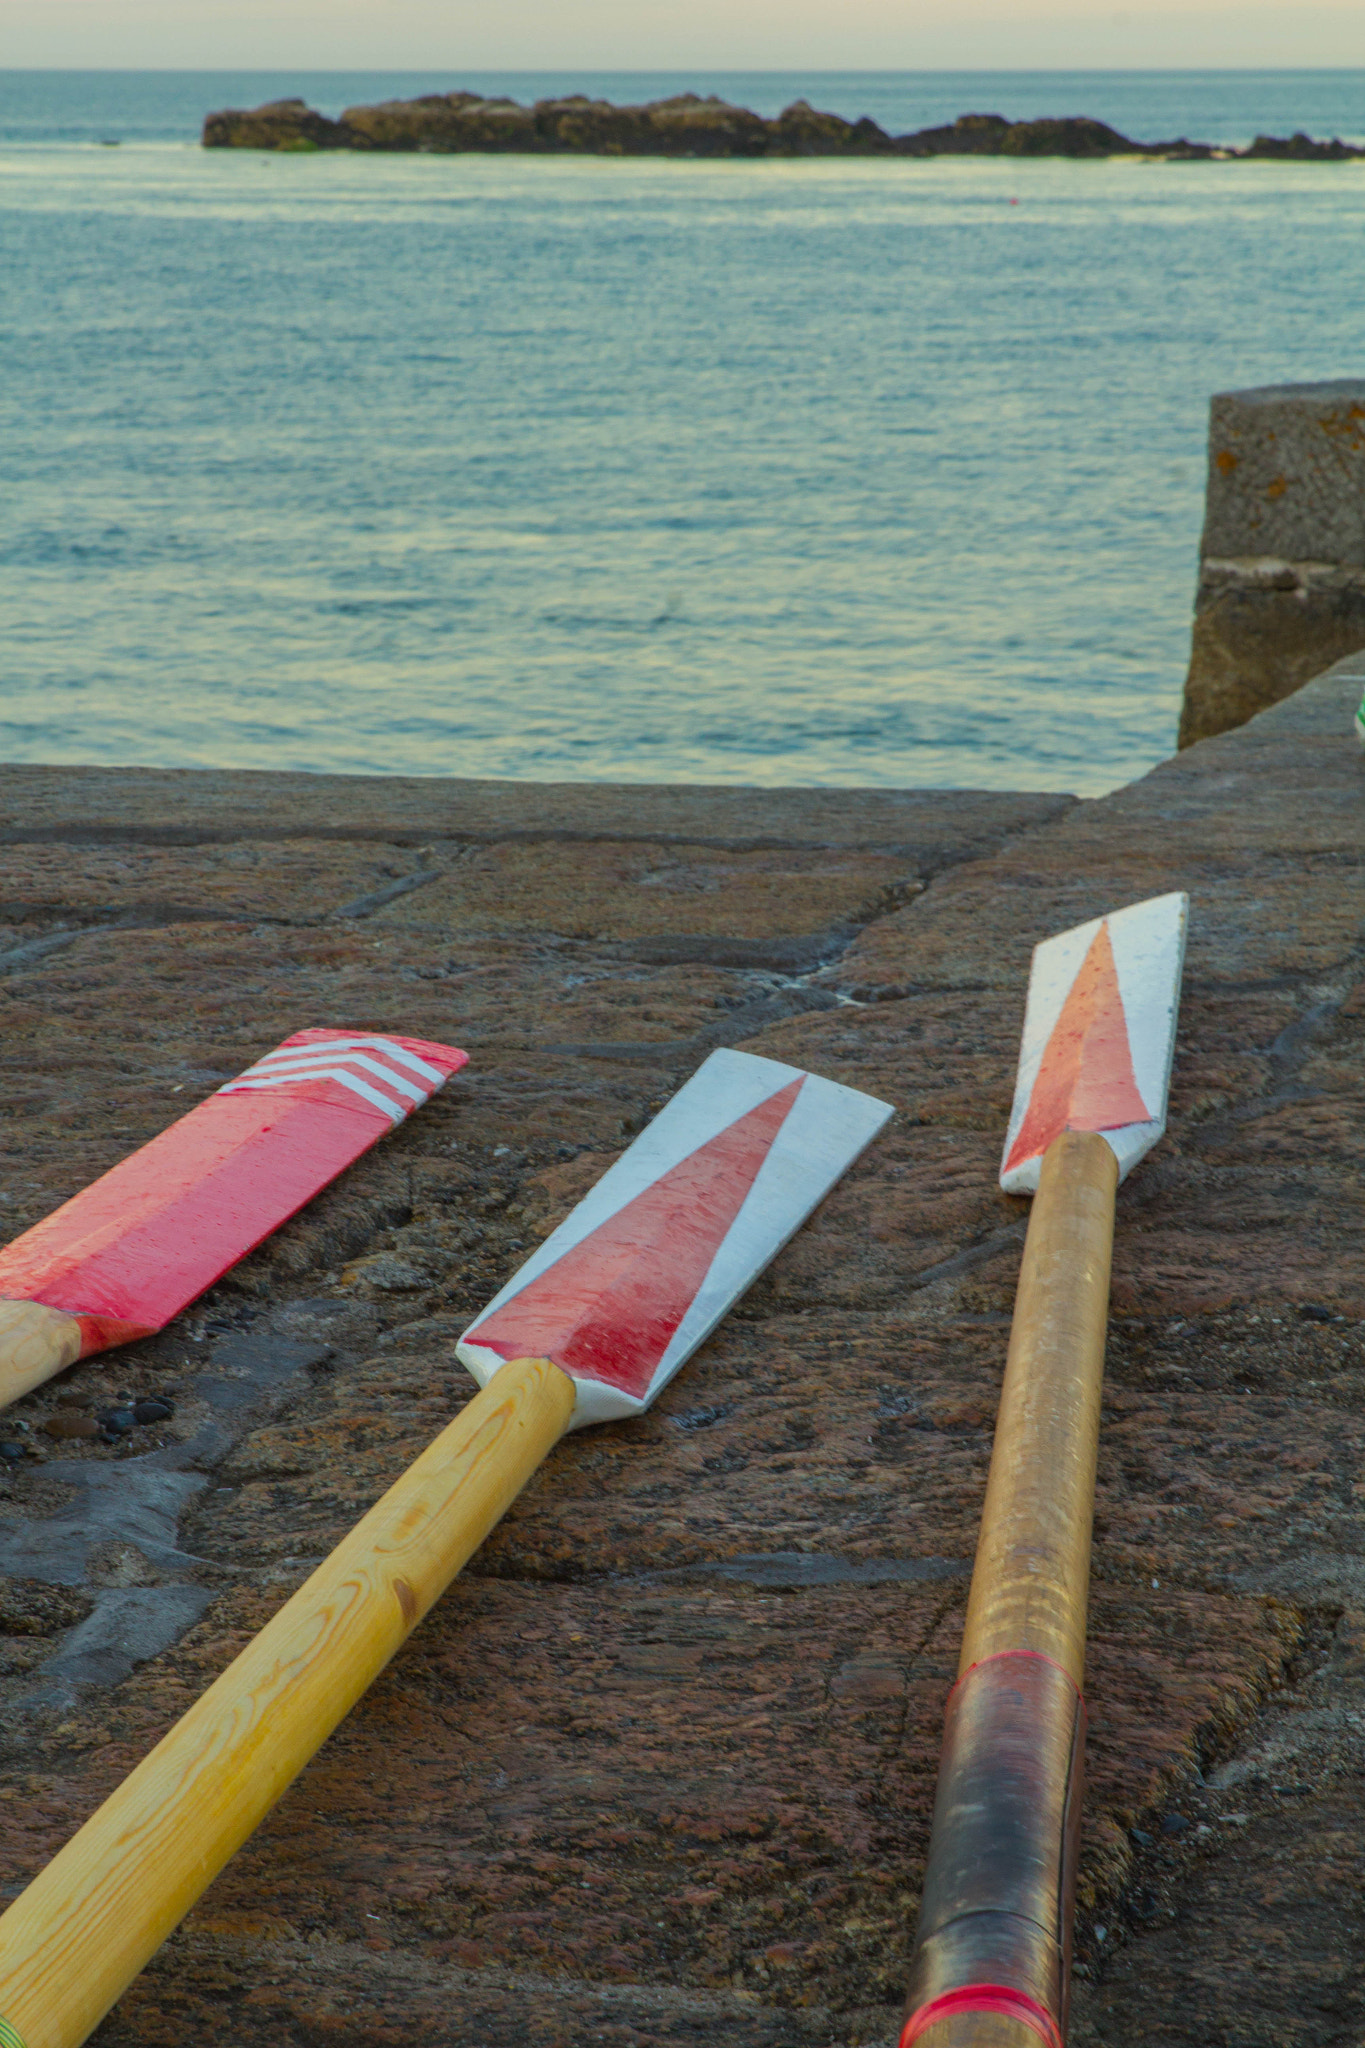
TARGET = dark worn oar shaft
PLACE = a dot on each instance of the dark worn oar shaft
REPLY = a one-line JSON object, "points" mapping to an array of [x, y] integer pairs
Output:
{"points": [[993, 1947]]}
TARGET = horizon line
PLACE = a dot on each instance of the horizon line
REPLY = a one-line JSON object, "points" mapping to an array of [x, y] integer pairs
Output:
{"points": [[676, 70]]}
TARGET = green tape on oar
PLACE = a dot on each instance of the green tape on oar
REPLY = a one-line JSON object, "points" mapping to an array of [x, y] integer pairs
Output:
{"points": [[8, 2037]]}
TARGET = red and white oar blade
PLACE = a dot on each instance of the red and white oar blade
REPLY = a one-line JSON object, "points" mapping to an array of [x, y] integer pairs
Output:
{"points": [[1099, 1037], [132, 1249], [645, 1267]]}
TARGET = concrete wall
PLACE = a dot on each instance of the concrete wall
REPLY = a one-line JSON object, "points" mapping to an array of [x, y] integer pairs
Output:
{"points": [[1282, 561]]}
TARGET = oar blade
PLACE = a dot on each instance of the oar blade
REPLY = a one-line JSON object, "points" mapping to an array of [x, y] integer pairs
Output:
{"points": [[131, 1250], [644, 1268], [1099, 1037]]}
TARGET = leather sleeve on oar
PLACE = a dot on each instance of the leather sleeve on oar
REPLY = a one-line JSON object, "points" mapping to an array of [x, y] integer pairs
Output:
{"points": [[129, 1252], [993, 1945], [617, 1299]]}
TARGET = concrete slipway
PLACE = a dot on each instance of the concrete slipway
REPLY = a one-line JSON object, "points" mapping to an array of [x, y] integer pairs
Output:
{"points": [[659, 1769]]}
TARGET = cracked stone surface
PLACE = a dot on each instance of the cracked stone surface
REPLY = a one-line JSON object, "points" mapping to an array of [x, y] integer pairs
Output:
{"points": [[659, 1768]]}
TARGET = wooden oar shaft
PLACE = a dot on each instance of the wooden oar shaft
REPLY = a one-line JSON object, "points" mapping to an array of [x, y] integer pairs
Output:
{"points": [[992, 1951], [73, 1941], [1030, 1583], [35, 1342]]}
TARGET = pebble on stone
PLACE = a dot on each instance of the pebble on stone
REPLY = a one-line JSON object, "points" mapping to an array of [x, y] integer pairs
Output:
{"points": [[118, 1421], [13, 1454], [153, 1410], [67, 1423]]}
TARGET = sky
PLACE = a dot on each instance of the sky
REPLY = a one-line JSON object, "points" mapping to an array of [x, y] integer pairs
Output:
{"points": [[658, 35]]}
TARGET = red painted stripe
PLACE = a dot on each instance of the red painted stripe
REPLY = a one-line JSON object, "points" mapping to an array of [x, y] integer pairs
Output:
{"points": [[609, 1308], [1086, 1080], [992, 1998], [1026, 1656], [139, 1243]]}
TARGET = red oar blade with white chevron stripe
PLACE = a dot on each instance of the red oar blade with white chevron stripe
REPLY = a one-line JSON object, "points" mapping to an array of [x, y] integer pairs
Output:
{"points": [[131, 1250], [644, 1268], [1099, 1037]]}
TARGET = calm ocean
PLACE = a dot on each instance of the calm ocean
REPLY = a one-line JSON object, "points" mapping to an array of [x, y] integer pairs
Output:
{"points": [[792, 472]]}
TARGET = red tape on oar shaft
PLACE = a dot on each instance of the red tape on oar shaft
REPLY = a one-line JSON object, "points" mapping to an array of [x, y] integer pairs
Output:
{"points": [[1036, 1656], [992, 1998]]}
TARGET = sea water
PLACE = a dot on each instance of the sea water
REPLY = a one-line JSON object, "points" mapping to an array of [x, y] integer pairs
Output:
{"points": [[782, 472]]}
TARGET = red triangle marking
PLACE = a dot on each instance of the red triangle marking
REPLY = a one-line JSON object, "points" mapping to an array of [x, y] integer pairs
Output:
{"points": [[1086, 1080], [609, 1308]]}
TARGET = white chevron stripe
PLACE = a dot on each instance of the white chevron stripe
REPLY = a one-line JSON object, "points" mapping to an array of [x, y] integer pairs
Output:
{"points": [[323, 1063], [352, 1059], [335, 1045], [352, 1081]]}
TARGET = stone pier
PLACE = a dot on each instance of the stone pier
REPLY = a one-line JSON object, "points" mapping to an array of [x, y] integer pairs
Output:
{"points": [[658, 1771], [1281, 589]]}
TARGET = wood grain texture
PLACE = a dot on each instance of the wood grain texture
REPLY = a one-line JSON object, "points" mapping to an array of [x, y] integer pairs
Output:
{"points": [[1031, 1579], [80, 1933], [35, 1342], [978, 2030]]}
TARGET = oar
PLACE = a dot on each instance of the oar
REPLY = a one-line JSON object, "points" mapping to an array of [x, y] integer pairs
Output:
{"points": [[592, 1326], [993, 1946], [124, 1256]]}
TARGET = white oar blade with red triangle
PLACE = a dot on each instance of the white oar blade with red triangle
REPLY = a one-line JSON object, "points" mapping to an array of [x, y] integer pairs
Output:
{"points": [[1099, 1037], [131, 1250], [635, 1278]]}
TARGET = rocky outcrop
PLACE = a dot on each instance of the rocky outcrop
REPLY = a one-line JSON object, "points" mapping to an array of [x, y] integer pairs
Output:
{"points": [[993, 135], [438, 122], [1301, 149], [454, 122], [802, 131], [450, 123], [1281, 589], [687, 125], [280, 124]]}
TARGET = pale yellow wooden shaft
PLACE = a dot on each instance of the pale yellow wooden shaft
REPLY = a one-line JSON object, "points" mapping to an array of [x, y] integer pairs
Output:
{"points": [[73, 1941], [35, 1342], [1032, 1573]]}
